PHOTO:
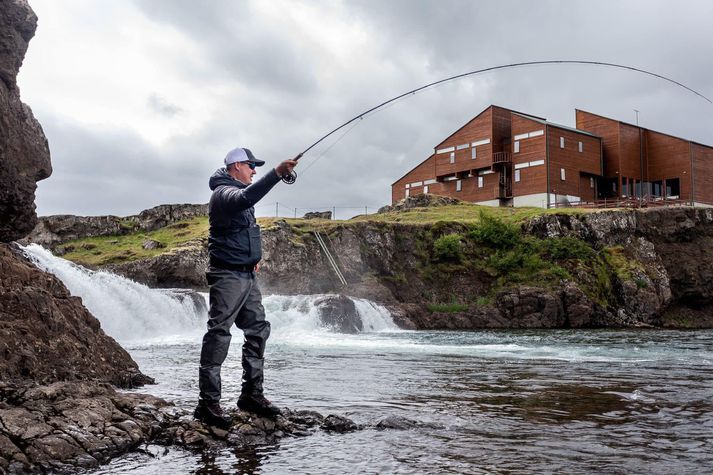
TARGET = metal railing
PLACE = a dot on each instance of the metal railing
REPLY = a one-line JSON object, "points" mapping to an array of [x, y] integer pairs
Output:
{"points": [[628, 202], [502, 157]]}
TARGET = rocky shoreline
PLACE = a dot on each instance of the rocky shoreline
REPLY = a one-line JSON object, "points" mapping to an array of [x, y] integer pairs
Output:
{"points": [[64, 426]]}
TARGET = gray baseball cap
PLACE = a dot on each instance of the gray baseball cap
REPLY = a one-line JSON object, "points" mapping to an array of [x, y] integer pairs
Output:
{"points": [[242, 155]]}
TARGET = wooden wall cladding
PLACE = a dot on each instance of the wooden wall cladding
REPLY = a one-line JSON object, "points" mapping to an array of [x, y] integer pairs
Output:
{"points": [[703, 173], [608, 130], [533, 179], [476, 129], [669, 157], [575, 163]]}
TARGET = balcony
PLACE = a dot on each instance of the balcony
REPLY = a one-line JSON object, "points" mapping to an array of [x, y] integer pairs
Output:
{"points": [[502, 157]]}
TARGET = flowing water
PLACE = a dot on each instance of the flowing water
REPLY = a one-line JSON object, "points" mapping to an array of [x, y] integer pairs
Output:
{"points": [[564, 401]]}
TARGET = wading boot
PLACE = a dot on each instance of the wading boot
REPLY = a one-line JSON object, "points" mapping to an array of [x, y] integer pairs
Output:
{"points": [[257, 404], [212, 414]]}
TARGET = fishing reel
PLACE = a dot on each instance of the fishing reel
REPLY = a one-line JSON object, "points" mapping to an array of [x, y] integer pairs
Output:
{"points": [[290, 178]]}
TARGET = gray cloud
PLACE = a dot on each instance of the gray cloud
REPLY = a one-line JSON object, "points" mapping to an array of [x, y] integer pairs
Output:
{"points": [[162, 106]]}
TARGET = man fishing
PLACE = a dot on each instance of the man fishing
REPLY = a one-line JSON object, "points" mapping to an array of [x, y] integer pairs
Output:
{"points": [[234, 250]]}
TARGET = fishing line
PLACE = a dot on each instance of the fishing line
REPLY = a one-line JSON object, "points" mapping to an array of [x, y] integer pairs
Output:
{"points": [[292, 178]]}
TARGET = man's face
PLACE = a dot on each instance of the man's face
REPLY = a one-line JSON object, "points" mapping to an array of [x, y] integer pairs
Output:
{"points": [[243, 172]]}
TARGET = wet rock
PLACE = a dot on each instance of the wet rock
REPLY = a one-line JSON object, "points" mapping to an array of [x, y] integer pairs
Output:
{"points": [[71, 424], [529, 307], [339, 424], [339, 313]]}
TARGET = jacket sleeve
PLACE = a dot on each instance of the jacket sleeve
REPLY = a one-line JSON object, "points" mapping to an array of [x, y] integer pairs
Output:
{"points": [[244, 198]]}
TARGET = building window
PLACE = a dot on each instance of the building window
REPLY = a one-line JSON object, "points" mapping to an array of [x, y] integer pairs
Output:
{"points": [[581, 147], [458, 185], [591, 182], [425, 190], [516, 147], [673, 188], [561, 142], [480, 182], [563, 176], [473, 154], [453, 157], [517, 175], [656, 187]]}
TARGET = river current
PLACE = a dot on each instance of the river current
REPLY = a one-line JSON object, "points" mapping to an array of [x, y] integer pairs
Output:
{"points": [[558, 401]]}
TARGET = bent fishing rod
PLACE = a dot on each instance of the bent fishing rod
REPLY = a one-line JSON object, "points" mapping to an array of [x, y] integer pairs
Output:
{"points": [[291, 178]]}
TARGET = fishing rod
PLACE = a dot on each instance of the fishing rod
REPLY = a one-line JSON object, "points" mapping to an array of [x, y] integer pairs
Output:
{"points": [[291, 178]]}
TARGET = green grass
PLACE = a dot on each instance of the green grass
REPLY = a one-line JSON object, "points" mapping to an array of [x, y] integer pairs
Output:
{"points": [[97, 251]]}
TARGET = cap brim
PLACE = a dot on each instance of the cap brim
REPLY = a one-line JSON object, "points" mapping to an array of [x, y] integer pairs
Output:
{"points": [[251, 157]]}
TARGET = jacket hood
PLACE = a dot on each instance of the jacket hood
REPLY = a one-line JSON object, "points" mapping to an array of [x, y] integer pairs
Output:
{"points": [[222, 177]]}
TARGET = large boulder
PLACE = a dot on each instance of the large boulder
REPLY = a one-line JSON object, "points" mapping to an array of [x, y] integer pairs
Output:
{"points": [[339, 313], [24, 153]]}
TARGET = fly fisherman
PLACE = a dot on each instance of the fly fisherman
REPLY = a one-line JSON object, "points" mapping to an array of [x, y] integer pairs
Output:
{"points": [[235, 250]]}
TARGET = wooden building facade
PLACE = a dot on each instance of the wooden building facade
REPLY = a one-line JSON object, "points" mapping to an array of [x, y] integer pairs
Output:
{"points": [[503, 157]]}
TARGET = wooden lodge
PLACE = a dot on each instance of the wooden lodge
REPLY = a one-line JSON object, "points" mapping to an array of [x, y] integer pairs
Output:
{"points": [[502, 157]]}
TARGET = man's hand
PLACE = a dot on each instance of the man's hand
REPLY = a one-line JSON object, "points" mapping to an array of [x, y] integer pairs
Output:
{"points": [[285, 168]]}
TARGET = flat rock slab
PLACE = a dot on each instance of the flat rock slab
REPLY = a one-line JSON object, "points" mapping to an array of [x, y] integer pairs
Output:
{"points": [[68, 425]]}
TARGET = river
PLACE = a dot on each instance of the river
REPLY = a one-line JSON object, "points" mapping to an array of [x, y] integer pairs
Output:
{"points": [[556, 401]]}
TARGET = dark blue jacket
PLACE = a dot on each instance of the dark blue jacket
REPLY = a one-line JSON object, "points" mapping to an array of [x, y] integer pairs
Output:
{"points": [[234, 238]]}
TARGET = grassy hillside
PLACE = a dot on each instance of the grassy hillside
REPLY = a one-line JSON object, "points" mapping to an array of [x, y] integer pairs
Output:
{"points": [[97, 251]]}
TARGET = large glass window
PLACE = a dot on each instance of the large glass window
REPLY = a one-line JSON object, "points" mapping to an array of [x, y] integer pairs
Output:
{"points": [[673, 188], [657, 188]]}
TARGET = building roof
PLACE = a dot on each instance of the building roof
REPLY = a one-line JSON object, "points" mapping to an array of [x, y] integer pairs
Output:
{"points": [[645, 128], [559, 126]]}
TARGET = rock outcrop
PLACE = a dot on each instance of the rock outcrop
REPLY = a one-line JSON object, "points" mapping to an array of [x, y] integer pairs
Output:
{"points": [[24, 153], [47, 335], [57, 229], [66, 426]]}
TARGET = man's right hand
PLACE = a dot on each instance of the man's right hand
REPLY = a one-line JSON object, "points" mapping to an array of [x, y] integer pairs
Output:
{"points": [[285, 168]]}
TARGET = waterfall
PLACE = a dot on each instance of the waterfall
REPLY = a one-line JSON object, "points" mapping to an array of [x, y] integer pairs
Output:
{"points": [[133, 312], [127, 310]]}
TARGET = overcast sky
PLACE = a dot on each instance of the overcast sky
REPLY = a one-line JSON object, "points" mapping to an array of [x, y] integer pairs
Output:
{"points": [[141, 100]]}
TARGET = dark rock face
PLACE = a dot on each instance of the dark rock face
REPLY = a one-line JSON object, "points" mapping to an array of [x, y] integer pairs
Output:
{"points": [[339, 313], [24, 153], [182, 267], [46, 335]]}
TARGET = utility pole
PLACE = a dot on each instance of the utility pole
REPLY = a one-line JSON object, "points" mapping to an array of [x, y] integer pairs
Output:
{"points": [[277, 208], [641, 163]]}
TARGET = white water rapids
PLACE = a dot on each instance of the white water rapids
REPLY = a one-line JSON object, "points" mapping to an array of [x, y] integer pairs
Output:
{"points": [[134, 313]]}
